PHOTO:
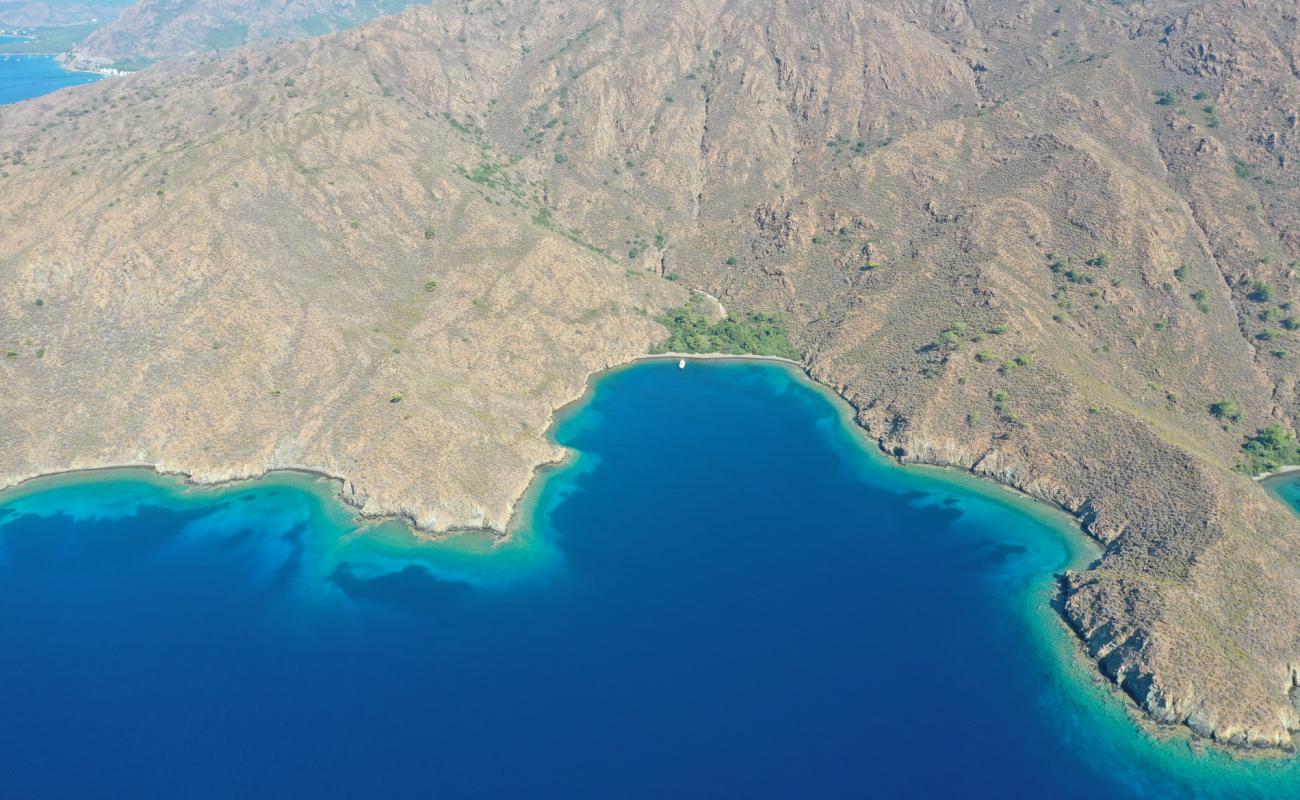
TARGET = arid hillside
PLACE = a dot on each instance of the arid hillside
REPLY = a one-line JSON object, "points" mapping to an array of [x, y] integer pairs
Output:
{"points": [[1052, 243], [149, 30], [34, 13]]}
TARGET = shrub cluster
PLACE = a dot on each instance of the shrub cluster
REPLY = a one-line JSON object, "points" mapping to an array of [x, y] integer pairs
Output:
{"points": [[1270, 449], [689, 331]]}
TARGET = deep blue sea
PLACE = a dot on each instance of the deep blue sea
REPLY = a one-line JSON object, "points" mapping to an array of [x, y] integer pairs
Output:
{"points": [[23, 76], [725, 593]]}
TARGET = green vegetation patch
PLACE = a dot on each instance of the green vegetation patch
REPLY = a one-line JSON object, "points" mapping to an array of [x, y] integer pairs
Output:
{"points": [[1261, 292], [690, 331], [1269, 450], [50, 40], [1226, 410], [1202, 301], [131, 64]]}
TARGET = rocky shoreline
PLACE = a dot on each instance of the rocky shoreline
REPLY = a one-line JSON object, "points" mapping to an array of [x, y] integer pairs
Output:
{"points": [[391, 253], [1118, 660], [1123, 659]]}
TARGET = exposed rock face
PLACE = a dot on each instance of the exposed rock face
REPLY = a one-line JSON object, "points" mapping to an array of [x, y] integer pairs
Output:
{"points": [[891, 175]]}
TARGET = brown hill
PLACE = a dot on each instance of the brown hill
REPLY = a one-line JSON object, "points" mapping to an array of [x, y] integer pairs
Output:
{"points": [[36, 14], [1035, 240], [149, 30]]}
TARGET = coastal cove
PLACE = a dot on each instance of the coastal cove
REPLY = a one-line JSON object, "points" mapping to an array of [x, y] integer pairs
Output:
{"points": [[726, 590], [26, 76]]}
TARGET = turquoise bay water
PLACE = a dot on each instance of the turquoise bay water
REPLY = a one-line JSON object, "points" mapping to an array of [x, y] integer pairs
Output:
{"points": [[23, 77], [725, 593], [1286, 487]]}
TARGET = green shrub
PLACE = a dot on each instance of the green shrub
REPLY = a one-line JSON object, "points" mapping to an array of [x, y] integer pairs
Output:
{"points": [[1226, 410], [690, 331], [1270, 449], [1261, 292], [1199, 296]]}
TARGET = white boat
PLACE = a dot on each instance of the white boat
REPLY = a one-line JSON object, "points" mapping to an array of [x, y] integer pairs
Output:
{"points": [[681, 364]]}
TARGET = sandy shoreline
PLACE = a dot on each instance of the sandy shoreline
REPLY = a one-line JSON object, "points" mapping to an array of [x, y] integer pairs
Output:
{"points": [[1263, 476], [715, 357]]}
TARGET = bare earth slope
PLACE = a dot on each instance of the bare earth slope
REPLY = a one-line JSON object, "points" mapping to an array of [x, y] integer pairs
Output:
{"points": [[230, 261]]}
